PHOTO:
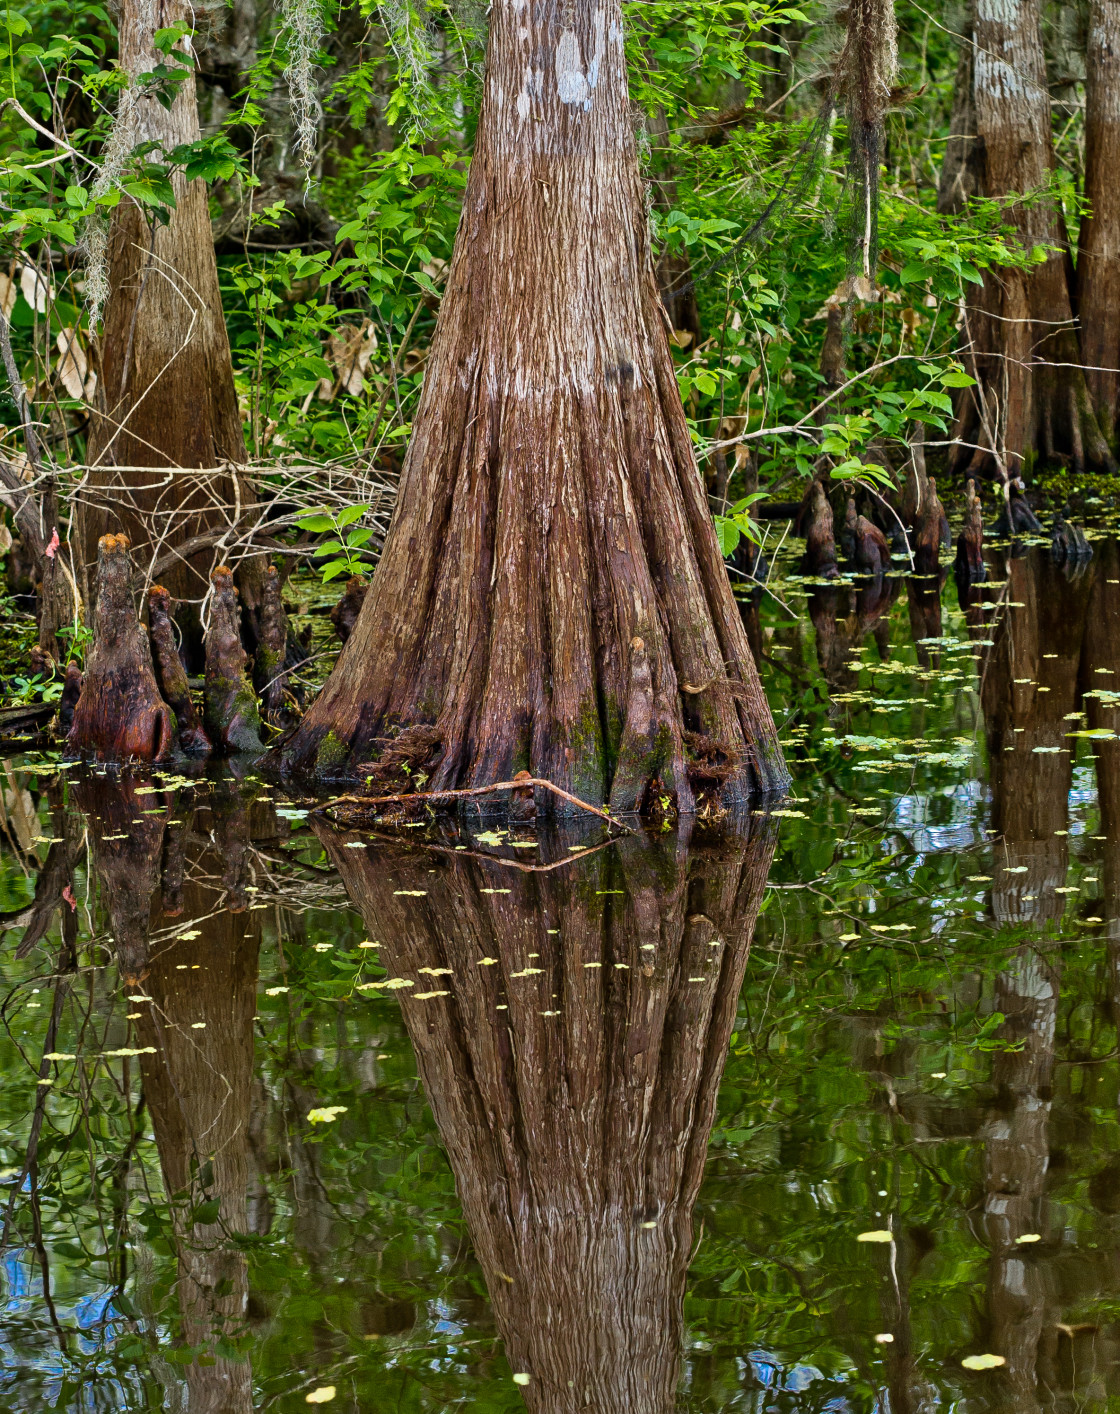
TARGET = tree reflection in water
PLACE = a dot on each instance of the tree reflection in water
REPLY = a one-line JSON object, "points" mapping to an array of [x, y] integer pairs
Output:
{"points": [[194, 1029], [571, 1027]]}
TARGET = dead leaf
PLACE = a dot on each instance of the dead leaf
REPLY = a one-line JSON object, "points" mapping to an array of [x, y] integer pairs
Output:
{"points": [[73, 366], [36, 291], [349, 350]]}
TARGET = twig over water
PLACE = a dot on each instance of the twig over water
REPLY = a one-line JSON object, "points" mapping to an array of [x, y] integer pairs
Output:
{"points": [[522, 783]]}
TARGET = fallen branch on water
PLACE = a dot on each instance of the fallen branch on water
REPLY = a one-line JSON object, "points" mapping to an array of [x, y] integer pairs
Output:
{"points": [[522, 783]]}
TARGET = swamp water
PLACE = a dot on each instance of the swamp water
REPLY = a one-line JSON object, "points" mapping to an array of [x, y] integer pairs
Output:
{"points": [[818, 1113]]}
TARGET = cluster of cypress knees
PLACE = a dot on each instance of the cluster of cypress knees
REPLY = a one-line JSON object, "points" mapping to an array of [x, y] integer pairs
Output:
{"points": [[133, 700], [912, 529]]}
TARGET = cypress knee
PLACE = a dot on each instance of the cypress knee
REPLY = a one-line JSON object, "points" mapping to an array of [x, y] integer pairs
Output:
{"points": [[816, 526], [870, 550], [930, 532], [120, 715], [71, 691], [269, 677], [916, 488], [1017, 517], [970, 567], [230, 710], [172, 675]]}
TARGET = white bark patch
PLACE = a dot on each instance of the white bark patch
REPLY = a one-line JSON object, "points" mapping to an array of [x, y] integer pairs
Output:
{"points": [[995, 77], [998, 12], [598, 28], [571, 81], [523, 100], [532, 86]]}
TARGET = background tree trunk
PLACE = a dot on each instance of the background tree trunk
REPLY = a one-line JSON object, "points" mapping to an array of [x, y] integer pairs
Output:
{"points": [[674, 268], [551, 594], [167, 398], [958, 168], [1098, 261], [1033, 396]]}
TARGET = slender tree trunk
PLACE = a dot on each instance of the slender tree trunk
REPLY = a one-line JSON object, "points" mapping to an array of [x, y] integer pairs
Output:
{"points": [[551, 594], [674, 268], [1032, 396], [1098, 261], [167, 396], [958, 169]]}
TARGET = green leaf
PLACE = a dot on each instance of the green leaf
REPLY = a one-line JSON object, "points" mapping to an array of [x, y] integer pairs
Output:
{"points": [[728, 534], [426, 283], [747, 502], [350, 515], [315, 522]]}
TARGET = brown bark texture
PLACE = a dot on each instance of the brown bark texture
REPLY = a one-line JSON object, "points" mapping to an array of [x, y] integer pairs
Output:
{"points": [[269, 677], [571, 1044], [970, 567], [1022, 340], [172, 676], [816, 525], [931, 525], [230, 711], [167, 397], [551, 595], [120, 715], [1098, 260]]}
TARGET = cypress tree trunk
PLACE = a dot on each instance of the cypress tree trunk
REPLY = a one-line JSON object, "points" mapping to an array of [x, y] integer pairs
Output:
{"points": [[1033, 397], [167, 398], [551, 595], [1098, 262]]}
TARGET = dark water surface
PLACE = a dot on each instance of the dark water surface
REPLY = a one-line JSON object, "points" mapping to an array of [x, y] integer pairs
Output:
{"points": [[487, 1119]]}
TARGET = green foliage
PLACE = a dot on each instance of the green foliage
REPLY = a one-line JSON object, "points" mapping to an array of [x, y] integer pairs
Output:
{"points": [[737, 524], [346, 547], [37, 688]]}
